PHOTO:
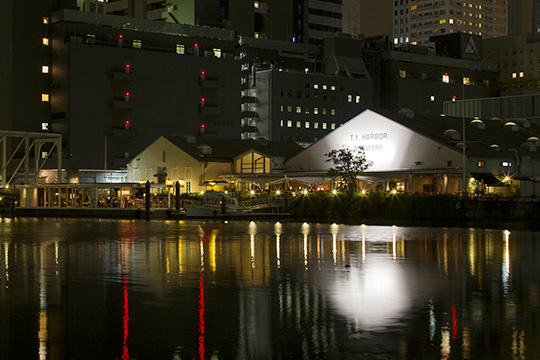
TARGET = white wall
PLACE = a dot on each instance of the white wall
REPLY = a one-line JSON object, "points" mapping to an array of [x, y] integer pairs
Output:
{"points": [[390, 145]]}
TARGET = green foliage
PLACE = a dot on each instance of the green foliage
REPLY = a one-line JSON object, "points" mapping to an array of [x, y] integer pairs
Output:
{"points": [[347, 165], [375, 206]]}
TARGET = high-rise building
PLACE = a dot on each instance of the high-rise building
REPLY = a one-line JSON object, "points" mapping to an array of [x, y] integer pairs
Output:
{"points": [[415, 21]]}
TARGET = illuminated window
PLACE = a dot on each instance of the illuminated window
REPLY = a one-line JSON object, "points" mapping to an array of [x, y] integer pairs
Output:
{"points": [[289, 123], [324, 111], [432, 98], [45, 41], [316, 111], [466, 81], [506, 164], [349, 98], [45, 97], [315, 86], [298, 109], [332, 112], [180, 49], [445, 78], [402, 74], [315, 125], [289, 108], [256, 4], [306, 125], [281, 108], [45, 69], [44, 126], [451, 21], [45, 19], [324, 87], [358, 99], [137, 44], [333, 88], [521, 74], [442, 21], [333, 126], [256, 35], [324, 126], [298, 124], [281, 123], [481, 163], [514, 75], [217, 52]]}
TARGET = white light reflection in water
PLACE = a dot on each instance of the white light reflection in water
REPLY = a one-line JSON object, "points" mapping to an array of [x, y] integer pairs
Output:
{"points": [[277, 230], [374, 296], [334, 229], [394, 234], [506, 261], [363, 228], [432, 321], [252, 231], [56, 250], [305, 232]]}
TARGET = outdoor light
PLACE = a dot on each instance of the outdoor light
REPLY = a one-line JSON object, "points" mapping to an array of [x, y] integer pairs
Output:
{"points": [[278, 192], [334, 191], [126, 96], [202, 192], [394, 191], [305, 191], [506, 179], [363, 191], [127, 68], [252, 192]]}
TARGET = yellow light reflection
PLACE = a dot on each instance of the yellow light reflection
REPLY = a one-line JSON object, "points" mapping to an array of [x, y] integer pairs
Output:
{"points": [[334, 229], [305, 232], [212, 250], [6, 261], [445, 344], [277, 230], [506, 261]]}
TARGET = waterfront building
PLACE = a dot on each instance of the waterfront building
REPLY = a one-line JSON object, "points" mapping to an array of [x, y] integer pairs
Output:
{"points": [[201, 164], [424, 153]]}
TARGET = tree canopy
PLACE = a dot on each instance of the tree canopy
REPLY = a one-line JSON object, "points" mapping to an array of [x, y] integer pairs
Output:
{"points": [[347, 165]]}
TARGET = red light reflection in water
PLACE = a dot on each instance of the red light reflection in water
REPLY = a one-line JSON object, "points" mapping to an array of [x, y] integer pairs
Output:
{"points": [[201, 317], [454, 322], [125, 354]]}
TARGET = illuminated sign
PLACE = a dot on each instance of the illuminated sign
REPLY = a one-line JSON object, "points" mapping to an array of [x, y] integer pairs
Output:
{"points": [[388, 144]]}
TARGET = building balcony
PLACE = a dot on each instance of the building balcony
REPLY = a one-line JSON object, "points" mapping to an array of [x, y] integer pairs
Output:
{"points": [[250, 114], [249, 99], [248, 129]]}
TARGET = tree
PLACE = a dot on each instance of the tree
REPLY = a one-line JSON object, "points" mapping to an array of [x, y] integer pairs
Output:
{"points": [[347, 165]]}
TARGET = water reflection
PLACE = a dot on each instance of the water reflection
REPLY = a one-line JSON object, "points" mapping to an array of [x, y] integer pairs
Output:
{"points": [[250, 290]]}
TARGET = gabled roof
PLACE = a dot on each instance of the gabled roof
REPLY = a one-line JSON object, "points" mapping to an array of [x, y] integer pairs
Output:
{"points": [[228, 149]]}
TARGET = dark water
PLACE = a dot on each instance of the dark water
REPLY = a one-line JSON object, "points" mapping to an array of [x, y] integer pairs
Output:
{"points": [[91, 289]]}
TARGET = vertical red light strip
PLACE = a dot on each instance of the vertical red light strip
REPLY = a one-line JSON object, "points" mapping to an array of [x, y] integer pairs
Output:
{"points": [[454, 322], [201, 316], [125, 354]]}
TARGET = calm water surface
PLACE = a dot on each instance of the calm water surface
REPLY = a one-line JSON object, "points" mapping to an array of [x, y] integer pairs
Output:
{"points": [[95, 289]]}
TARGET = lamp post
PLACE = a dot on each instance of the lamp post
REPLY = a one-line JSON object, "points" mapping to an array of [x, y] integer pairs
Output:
{"points": [[464, 181]]}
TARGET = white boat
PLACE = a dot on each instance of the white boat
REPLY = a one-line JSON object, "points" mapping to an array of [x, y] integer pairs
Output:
{"points": [[214, 204]]}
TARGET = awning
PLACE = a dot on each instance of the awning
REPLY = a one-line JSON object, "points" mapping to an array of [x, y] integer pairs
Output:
{"points": [[488, 179]]}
